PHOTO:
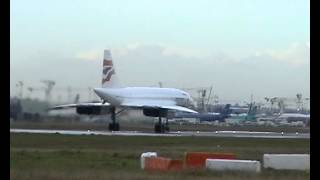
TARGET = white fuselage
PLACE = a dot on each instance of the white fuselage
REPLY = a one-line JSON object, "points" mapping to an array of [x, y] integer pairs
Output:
{"points": [[152, 95]]}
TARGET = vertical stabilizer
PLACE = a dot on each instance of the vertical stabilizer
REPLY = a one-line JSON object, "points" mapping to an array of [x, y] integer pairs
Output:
{"points": [[109, 78]]}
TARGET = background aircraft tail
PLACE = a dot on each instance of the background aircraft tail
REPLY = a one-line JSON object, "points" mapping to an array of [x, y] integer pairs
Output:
{"points": [[226, 110], [109, 78]]}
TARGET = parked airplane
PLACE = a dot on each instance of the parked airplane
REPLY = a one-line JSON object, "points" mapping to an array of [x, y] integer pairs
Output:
{"points": [[292, 117], [209, 116], [155, 102]]}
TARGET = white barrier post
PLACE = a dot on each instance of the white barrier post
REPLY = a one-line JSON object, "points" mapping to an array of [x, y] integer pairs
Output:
{"points": [[235, 165], [144, 155], [287, 161]]}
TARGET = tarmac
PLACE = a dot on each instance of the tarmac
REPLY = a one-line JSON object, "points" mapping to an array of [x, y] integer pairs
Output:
{"points": [[235, 134]]}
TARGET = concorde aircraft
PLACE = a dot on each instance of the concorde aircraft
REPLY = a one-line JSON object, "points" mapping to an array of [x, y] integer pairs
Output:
{"points": [[115, 98]]}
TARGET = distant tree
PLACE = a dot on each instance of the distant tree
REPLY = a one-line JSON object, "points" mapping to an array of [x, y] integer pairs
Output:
{"points": [[15, 109]]}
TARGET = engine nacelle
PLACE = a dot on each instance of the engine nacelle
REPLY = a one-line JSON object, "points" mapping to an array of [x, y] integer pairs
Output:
{"points": [[155, 112], [89, 110]]}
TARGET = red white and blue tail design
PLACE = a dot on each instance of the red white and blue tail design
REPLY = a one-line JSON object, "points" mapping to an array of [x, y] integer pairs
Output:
{"points": [[109, 79]]}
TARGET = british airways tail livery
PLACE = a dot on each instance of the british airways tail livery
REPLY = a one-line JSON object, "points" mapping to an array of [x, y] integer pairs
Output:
{"points": [[109, 77], [153, 101]]}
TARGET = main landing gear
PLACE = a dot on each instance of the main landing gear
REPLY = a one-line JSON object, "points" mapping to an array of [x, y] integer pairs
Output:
{"points": [[113, 126], [160, 127]]}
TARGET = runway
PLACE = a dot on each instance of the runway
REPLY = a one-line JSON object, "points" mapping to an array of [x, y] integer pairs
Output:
{"points": [[235, 134]]}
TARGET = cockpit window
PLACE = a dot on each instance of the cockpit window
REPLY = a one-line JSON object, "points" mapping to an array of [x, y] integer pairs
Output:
{"points": [[182, 101], [185, 94]]}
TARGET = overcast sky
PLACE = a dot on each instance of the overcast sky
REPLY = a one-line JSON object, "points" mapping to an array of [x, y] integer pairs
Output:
{"points": [[238, 47]]}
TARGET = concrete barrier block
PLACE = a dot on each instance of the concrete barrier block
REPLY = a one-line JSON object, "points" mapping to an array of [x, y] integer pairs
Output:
{"points": [[146, 155], [233, 165], [287, 161]]}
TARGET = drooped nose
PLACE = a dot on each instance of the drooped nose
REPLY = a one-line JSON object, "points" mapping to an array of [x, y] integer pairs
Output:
{"points": [[99, 92], [191, 102]]}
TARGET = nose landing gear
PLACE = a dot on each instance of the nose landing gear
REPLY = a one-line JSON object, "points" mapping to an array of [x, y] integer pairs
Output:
{"points": [[113, 126]]}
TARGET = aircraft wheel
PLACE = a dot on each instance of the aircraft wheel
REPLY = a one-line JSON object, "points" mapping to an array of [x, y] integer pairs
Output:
{"points": [[117, 127], [167, 128], [163, 128], [111, 125], [157, 128], [114, 127]]}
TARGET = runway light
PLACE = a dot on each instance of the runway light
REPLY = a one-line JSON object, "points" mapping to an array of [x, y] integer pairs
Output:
{"points": [[216, 132], [297, 133], [198, 132], [282, 133]]}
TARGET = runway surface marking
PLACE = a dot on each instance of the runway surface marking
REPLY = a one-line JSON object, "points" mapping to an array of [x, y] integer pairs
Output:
{"points": [[239, 134]]}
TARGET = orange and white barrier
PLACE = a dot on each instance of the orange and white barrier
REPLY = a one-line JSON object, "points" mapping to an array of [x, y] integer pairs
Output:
{"points": [[197, 160], [146, 155], [162, 164]]}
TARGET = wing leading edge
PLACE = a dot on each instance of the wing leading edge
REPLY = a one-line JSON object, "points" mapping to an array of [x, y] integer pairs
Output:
{"points": [[155, 105], [66, 106], [129, 105]]}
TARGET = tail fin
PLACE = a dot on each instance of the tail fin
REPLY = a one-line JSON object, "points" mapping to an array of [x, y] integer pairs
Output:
{"points": [[226, 110], [109, 78]]}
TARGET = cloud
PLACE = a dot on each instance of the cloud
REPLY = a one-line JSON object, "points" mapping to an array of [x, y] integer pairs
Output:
{"points": [[163, 49], [90, 55], [295, 54], [264, 73], [184, 52]]}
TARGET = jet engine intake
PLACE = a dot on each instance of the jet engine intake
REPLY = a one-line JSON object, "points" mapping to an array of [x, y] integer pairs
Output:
{"points": [[89, 110], [155, 112]]}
